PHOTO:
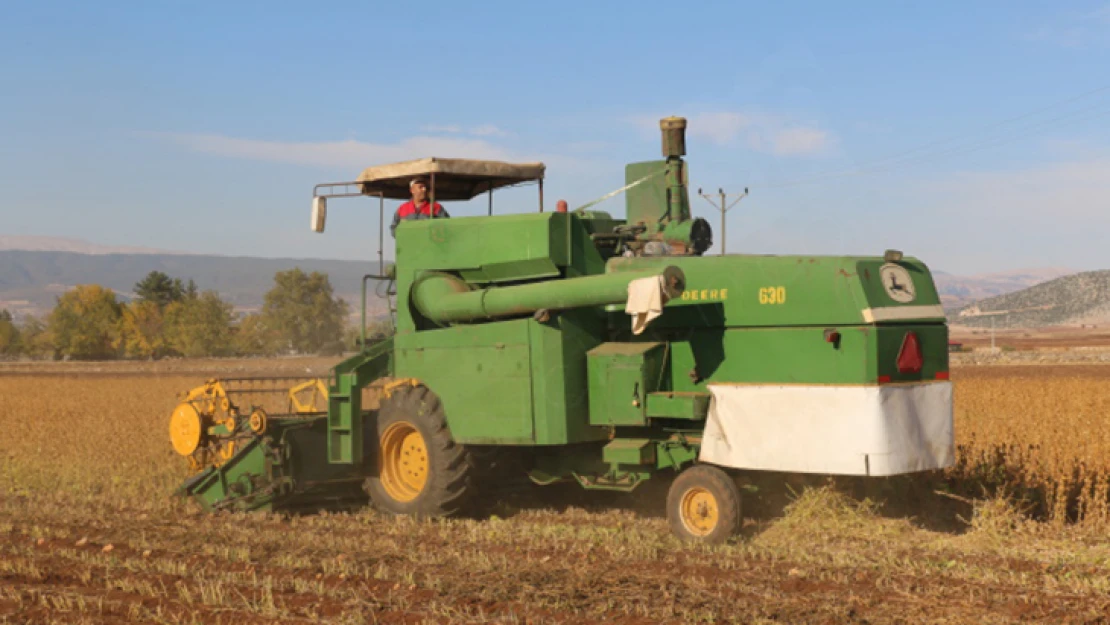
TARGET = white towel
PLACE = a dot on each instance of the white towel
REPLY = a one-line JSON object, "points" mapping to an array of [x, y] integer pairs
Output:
{"points": [[645, 301]]}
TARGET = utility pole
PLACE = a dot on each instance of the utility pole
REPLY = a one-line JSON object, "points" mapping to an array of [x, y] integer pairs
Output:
{"points": [[723, 207]]}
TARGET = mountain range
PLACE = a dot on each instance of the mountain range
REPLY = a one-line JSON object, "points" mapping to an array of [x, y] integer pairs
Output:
{"points": [[31, 279], [35, 270], [1073, 300], [959, 291]]}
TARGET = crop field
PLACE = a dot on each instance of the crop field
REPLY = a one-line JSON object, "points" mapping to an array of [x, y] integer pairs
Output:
{"points": [[1017, 531]]}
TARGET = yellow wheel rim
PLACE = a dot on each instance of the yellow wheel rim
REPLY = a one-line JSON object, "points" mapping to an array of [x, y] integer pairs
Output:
{"points": [[699, 511], [258, 421], [403, 462], [185, 429]]}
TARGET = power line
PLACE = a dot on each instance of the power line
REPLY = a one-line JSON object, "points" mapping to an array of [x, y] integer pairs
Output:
{"points": [[723, 207], [900, 157], [967, 148]]}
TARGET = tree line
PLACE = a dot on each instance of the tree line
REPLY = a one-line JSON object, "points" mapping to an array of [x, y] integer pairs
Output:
{"points": [[171, 318]]}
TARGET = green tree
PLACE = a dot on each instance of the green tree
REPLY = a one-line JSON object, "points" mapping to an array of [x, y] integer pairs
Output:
{"points": [[304, 311], [254, 338], [9, 336], [85, 323], [376, 330], [160, 289], [143, 330], [35, 339], [199, 326]]}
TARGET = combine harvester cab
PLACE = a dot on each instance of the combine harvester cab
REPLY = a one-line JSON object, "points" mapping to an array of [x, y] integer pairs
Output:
{"points": [[575, 346]]}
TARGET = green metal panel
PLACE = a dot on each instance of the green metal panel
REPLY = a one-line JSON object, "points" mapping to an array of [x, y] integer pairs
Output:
{"points": [[491, 250], [481, 373], [344, 419], [677, 451], [232, 483], [500, 248], [484, 244], [633, 451], [869, 271], [506, 272], [802, 355], [776, 291], [285, 469], [670, 405], [344, 422], [934, 350], [773, 355], [647, 201], [559, 376], [620, 376]]}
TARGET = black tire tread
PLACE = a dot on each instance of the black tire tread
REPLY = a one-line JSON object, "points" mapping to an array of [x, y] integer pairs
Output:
{"points": [[722, 486], [450, 483]]}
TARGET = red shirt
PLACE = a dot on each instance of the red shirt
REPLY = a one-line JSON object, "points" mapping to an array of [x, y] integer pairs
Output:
{"points": [[408, 210]]}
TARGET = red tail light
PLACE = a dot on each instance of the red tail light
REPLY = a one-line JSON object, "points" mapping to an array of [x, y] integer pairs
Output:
{"points": [[883, 379], [909, 357], [942, 375]]}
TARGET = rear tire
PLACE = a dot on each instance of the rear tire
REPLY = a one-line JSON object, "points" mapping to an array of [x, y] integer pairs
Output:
{"points": [[703, 505], [421, 471]]}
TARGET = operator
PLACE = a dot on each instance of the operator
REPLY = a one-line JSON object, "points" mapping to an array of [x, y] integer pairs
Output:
{"points": [[418, 207]]}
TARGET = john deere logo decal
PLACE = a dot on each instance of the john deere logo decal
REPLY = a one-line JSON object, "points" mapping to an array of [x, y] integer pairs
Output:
{"points": [[897, 282]]}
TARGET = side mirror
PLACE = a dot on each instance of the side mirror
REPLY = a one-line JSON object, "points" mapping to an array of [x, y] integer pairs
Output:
{"points": [[319, 213]]}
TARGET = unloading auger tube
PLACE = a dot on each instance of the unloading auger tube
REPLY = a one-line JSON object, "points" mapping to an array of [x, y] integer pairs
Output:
{"points": [[444, 298]]}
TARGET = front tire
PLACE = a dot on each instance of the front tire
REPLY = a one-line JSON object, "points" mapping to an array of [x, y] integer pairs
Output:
{"points": [[703, 505], [421, 470]]}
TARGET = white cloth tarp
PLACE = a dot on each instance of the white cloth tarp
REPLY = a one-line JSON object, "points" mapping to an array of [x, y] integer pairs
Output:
{"points": [[646, 297], [455, 178], [840, 430]]}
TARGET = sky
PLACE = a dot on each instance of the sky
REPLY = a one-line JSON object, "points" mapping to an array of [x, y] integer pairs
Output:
{"points": [[975, 136]]}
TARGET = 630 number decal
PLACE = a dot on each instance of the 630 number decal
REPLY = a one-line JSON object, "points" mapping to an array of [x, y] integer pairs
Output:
{"points": [[772, 295]]}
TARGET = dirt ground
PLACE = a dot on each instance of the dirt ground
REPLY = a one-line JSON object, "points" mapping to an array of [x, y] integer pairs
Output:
{"points": [[89, 533]]}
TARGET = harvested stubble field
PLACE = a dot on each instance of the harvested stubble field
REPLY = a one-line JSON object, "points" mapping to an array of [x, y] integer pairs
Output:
{"points": [[89, 534]]}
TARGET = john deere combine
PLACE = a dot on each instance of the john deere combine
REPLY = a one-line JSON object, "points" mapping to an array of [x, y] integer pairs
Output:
{"points": [[576, 346]]}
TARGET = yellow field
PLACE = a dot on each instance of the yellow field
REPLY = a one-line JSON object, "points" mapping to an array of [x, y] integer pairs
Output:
{"points": [[1041, 433], [90, 534]]}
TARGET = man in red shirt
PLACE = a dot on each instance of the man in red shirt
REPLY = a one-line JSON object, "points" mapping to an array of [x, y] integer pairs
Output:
{"points": [[418, 207]]}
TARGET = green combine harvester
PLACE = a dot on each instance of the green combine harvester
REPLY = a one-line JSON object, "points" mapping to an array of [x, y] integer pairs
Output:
{"points": [[577, 346]]}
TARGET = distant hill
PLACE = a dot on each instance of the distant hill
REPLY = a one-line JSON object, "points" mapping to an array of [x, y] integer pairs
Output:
{"points": [[77, 246], [31, 280], [959, 291], [1081, 298], [35, 270]]}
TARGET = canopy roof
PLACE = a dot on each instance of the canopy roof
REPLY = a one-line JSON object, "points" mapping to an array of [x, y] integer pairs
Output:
{"points": [[455, 178]]}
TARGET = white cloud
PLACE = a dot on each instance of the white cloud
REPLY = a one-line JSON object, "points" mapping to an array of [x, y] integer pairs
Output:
{"points": [[442, 129], [1046, 215], [1049, 194], [347, 154], [800, 140], [484, 130], [762, 132], [487, 130], [721, 128]]}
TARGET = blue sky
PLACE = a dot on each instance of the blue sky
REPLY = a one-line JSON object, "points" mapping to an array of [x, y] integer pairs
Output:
{"points": [[975, 136]]}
